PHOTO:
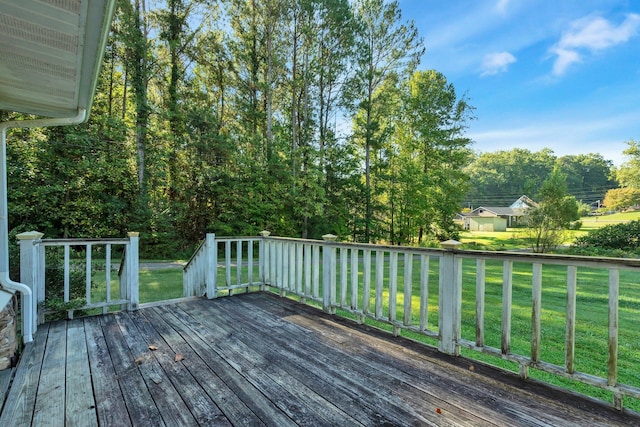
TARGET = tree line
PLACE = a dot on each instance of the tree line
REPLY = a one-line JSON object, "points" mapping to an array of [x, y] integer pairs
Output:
{"points": [[303, 117]]}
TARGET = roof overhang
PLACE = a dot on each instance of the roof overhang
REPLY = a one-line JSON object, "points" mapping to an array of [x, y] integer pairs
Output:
{"points": [[50, 54]]}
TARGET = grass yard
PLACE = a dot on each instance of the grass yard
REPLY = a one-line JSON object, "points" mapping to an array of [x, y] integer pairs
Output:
{"points": [[591, 351], [515, 238]]}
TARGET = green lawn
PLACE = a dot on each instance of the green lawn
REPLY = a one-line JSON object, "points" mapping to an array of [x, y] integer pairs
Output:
{"points": [[515, 238]]}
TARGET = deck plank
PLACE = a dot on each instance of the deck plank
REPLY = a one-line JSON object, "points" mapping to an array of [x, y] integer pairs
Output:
{"points": [[374, 387], [211, 384], [110, 405], [20, 403], [252, 397], [259, 359], [165, 396], [140, 405], [203, 409], [285, 390], [484, 389], [80, 405], [51, 387]]}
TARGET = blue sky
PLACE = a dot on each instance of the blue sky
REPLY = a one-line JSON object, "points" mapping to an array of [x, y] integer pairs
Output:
{"points": [[560, 74]]}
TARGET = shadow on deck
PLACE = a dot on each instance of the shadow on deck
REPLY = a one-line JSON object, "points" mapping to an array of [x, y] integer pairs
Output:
{"points": [[257, 359]]}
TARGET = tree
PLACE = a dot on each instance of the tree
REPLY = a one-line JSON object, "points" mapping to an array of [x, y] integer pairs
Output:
{"points": [[385, 49], [501, 177], [589, 176], [426, 176], [622, 198], [629, 172], [554, 214]]}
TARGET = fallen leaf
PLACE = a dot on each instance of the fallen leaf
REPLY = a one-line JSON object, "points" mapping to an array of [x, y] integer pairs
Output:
{"points": [[472, 368], [438, 410], [153, 347], [139, 360], [178, 357]]}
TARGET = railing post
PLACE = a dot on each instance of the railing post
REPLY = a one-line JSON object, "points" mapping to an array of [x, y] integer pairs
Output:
{"points": [[329, 274], [29, 270], [263, 261], [211, 265], [449, 314], [132, 270]]}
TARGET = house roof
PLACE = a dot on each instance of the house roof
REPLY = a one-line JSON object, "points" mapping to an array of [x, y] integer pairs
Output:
{"points": [[498, 211], [50, 54]]}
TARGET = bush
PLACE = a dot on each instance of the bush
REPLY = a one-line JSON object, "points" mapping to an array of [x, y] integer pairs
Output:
{"points": [[623, 236]]}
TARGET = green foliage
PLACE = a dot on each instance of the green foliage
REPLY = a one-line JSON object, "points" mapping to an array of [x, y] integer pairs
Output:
{"points": [[556, 212], [499, 178], [621, 198], [629, 172], [623, 236], [231, 124]]}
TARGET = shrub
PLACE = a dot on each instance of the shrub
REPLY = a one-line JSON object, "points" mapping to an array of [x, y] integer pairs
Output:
{"points": [[623, 236]]}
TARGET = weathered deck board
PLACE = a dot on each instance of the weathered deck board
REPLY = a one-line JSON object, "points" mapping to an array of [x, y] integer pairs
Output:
{"points": [[257, 359], [80, 404]]}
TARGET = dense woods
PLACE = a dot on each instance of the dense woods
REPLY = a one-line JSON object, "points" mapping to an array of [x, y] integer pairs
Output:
{"points": [[301, 117]]}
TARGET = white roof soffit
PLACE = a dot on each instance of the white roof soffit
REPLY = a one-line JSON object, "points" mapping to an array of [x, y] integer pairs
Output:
{"points": [[50, 54]]}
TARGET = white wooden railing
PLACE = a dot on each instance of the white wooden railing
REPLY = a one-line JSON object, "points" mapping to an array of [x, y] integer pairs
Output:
{"points": [[371, 282], [33, 264], [240, 266]]}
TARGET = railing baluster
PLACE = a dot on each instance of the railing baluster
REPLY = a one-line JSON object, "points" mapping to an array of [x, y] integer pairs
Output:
{"points": [[507, 291], [227, 262], [66, 273], [239, 252], [316, 271], [393, 286], [250, 262], [424, 292], [366, 280], [480, 299], [354, 278], [299, 270], [307, 269], [88, 274], [285, 266], [570, 345], [343, 276], [536, 307], [379, 282], [107, 276], [408, 288], [614, 285], [292, 267]]}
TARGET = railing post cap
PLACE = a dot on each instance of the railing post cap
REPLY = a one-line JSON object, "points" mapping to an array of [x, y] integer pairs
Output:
{"points": [[29, 235], [450, 244], [329, 237], [133, 234], [265, 233]]}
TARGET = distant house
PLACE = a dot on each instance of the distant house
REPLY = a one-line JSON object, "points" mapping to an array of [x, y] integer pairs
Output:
{"points": [[493, 218]]}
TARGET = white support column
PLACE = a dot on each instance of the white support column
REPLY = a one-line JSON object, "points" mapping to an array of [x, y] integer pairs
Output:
{"points": [[132, 270], [29, 270], [449, 314]]}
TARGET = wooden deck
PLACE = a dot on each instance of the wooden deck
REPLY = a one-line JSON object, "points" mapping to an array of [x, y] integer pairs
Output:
{"points": [[258, 359]]}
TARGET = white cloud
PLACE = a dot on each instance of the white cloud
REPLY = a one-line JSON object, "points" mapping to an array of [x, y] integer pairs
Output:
{"points": [[501, 6], [591, 34], [495, 63]]}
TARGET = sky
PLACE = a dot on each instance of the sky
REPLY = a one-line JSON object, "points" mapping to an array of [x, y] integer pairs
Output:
{"points": [[557, 74]]}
